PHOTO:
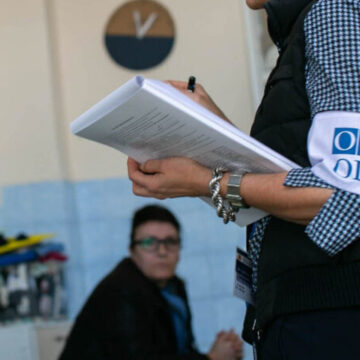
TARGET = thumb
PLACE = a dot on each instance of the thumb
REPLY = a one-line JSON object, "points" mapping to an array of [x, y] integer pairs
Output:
{"points": [[151, 166]]}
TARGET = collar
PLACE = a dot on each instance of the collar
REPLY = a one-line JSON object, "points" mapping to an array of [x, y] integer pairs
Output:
{"points": [[282, 15], [128, 275]]}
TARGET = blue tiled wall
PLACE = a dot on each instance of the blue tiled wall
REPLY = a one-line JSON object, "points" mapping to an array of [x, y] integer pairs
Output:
{"points": [[92, 219]]}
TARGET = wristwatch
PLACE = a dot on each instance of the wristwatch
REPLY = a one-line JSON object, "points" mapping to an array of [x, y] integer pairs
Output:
{"points": [[232, 192]]}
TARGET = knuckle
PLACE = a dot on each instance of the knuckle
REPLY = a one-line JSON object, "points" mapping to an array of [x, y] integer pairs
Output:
{"points": [[144, 166], [135, 189]]}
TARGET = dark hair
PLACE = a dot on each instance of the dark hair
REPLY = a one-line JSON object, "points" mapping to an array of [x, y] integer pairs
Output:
{"points": [[152, 213]]}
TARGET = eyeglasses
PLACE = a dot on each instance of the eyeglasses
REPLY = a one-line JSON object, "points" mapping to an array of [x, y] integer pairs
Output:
{"points": [[152, 243]]}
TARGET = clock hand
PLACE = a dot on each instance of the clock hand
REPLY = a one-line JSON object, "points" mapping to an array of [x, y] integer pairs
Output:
{"points": [[147, 25], [142, 29], [137, 20]]}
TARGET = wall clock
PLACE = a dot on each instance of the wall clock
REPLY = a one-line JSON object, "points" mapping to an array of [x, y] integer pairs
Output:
{"points": [[140, 34]]}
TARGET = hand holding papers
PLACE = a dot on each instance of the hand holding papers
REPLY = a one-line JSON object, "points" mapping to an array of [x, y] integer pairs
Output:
{"points": [[148, 119]]}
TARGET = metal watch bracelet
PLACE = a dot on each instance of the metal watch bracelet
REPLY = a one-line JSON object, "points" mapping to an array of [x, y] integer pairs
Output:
{"points": [[233, 190]]}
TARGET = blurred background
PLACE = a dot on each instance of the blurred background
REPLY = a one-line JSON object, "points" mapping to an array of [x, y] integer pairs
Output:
{"points": [[55, 64]]}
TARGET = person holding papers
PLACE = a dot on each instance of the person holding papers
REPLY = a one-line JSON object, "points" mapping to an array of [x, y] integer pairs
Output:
{"points": [[140, 310], [306, 254]]}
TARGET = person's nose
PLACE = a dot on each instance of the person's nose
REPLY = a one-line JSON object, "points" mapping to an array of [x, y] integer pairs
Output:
{"points": [[162, 249]]}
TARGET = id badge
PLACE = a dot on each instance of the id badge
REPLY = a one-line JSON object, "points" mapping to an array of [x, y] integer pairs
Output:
{"points": [[243, 272]]}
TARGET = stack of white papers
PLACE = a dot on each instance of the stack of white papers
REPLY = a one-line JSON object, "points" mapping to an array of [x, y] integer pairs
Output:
{"points": [[149, 119]]}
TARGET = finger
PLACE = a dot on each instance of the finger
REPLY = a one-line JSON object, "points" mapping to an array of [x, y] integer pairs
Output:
{"points": [[239, 353], [132, 164], [181, 85], [151, 166], [238, 345], [136, 175], [230, 336], [140, 190], [225, 335], [133, 169], [233, 337], [183, 88]]}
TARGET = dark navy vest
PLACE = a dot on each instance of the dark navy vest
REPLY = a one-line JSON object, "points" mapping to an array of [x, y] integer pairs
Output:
{"points": [[295, 275]]}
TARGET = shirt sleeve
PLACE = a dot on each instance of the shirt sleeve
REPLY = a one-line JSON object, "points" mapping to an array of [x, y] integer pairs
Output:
{"points": [[332, 75], [332, 68], [332, 79], [337, 224]]}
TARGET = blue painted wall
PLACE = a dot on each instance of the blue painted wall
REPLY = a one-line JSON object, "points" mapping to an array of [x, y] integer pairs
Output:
{"points": [[92, 219]]}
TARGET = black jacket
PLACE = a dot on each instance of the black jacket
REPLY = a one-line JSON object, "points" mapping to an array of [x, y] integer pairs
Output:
{"points": [[126, 317]]}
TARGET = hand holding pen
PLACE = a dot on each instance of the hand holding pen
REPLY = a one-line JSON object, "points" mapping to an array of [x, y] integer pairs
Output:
{"points": [[197, 93]]}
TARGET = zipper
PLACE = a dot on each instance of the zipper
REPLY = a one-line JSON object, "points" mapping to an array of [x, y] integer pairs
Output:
{"points": [[256, 342], [257, 332]]}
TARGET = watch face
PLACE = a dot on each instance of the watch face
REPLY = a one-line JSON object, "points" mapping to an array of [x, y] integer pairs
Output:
{"points": [[140, 35]]}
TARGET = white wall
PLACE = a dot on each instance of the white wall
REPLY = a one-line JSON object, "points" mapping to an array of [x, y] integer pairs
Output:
{"points": [[28, 131], [55, 66]]}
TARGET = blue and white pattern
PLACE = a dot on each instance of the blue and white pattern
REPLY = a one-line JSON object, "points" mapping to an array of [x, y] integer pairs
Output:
{"points": [[255, 247], [303, 178], [332, 36], [337, 224]]}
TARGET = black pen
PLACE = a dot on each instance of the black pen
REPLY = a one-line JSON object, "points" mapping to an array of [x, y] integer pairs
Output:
{"points": [[191, 83]]}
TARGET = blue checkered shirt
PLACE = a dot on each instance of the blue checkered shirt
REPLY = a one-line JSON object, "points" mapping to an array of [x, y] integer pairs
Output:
{"points": [[332, 51]]}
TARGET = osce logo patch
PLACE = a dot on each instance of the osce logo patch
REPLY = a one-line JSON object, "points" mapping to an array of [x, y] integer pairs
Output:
{"points": [[346, 143]]}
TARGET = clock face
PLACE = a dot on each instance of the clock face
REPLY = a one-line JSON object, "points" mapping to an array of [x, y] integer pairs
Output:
{"points": [[140, 35]]}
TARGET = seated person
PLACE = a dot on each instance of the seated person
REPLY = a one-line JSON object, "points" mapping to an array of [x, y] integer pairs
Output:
{"points": [[140, 310]]}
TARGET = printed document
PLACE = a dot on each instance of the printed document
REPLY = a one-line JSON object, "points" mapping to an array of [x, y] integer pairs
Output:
{"points": [[149, 119]]}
